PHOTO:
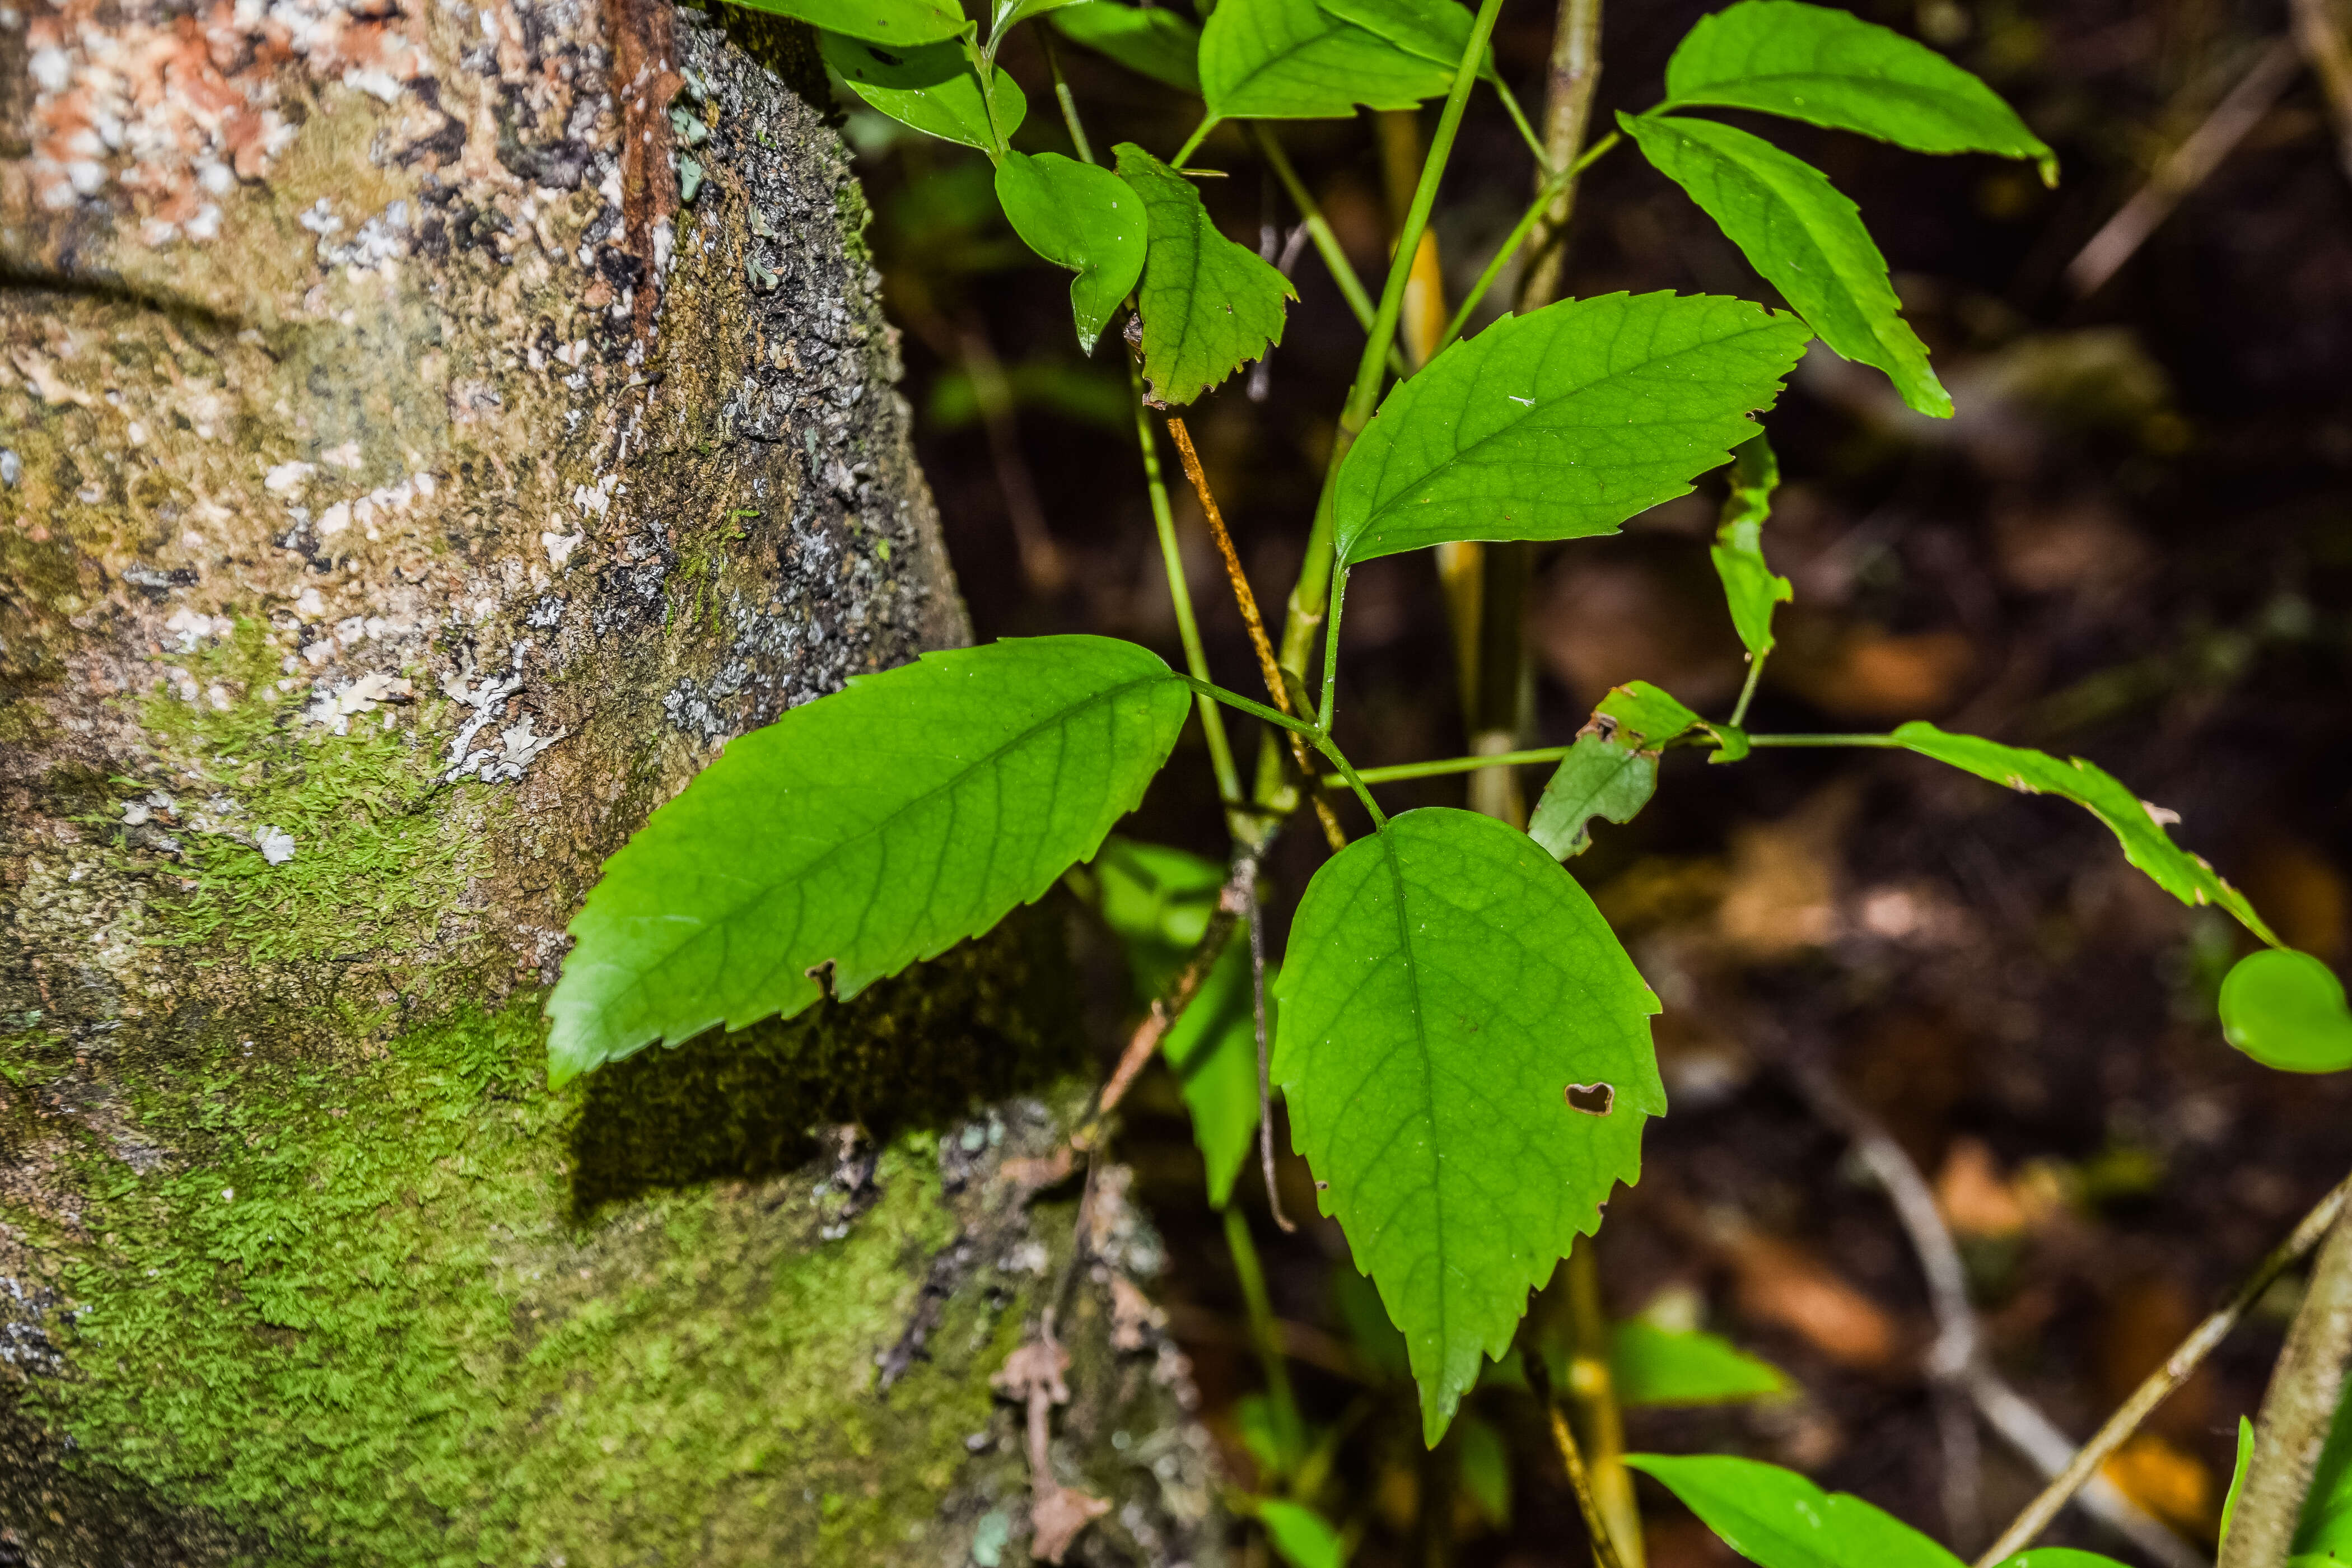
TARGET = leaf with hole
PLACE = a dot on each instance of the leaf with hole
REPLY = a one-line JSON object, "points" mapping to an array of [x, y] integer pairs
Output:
{"points": [[1209, 306], [864, 830], [1079, 217], [890, 21], [1750, 586], [1151, 41], [1830, 68], [2285, 1009], [1649, 1365], [2136, 825], [1777, 1518], [1644, 716], [1292, 59], [931, 88], [1448, 989], [1158, 901], [1563, 423], [1599, 777], [1803, 235]]}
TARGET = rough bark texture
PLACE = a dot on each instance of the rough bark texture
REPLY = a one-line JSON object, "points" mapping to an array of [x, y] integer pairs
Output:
{"points": [[426, 436]]}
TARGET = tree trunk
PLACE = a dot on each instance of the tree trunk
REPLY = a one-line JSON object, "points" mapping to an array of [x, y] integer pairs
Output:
{"points": [[427, 435]]}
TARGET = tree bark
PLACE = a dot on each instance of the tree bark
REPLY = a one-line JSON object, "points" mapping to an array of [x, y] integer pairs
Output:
{"points": [[427, 435]]}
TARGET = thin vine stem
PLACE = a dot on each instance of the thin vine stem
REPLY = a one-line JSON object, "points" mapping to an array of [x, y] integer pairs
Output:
{"points": [[1519, 236], [1191, 143], [1196, 657], [1398, 772], [1062, 95], [1748, 693], [1310, 596], [983, 63]]}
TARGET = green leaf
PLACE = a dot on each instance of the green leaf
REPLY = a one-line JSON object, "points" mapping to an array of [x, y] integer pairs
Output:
{"points": [[1779, 1518], [1155, 43], [867, 830], [1448, 987], [1599, 777], [2060, 1557], [1436, 30], [2324, 1533], [1013, 13], [1830, 68], [931, 88], [1645, 717], [1749, 585], [897, 22], [1209, 306], [1651, 1365], [1301, 1537], [1080, 217], [2236, 1475], [2285, 1009], [1563, 423], [1292, 59], [1158, 901], [1486, 1468], [2133, 821], [1800, 233]]}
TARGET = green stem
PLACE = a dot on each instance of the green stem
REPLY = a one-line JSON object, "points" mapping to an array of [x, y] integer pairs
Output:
{"points": [[1311, 594], [1315, 736], [1191, 143], [1823, 740], [1318, 229], [1444, 765], [1748, 693], [1520, 118], [1062, 95], [1518, 235], [983, 67], [1180, 594], [1290, 1430], [1332, 650]]}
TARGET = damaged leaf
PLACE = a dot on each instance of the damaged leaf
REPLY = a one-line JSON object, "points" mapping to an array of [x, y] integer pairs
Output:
{"points": [[1209, 306]]}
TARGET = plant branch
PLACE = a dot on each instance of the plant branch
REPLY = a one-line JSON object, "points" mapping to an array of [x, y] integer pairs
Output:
{"points": [[1444, 765], [1062, 96], [2159, 1385], [1310, 595], [1247, 602], [2297, 1410], [1180, 596], [2185, 168], [1580, 1479], [1318, 229], [1574, 73], [1560, 181], [1232, 899]]}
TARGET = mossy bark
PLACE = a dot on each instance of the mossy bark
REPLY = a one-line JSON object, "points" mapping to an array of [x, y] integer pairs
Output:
{"points": [[426, 436]]}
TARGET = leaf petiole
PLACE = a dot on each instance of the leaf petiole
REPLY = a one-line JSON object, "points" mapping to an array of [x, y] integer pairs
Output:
{"points": [[1823, 740], [1191, 143], [1314, 734], [983, 70]]}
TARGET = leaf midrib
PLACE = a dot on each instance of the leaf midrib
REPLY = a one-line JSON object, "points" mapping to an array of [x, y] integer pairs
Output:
{"points": [[767, 889], [1428, 1086]]}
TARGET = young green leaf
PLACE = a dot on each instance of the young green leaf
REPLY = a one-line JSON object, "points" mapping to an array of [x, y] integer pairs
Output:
{"points": [[1292, 59], [1750, 586], [866, 830], [1599, 777], [1013, 13], [1644, 716], [931, 88], [1651, 1365], [1301, 1537], [1080, 217], [901, 22], [2285, 1009], [2238, 1474], [1801, 234], [1153, 42], [1158, 901], [1466, 1051], [2061, 1557], [1830, 68], [1777, 1518], [1209, 306], [2136, 824], [1562, 423]]}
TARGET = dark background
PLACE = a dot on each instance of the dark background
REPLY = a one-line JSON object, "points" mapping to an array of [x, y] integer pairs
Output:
{"points": [[2134, 543]]}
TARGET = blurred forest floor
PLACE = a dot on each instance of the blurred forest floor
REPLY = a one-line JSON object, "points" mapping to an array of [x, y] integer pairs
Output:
{"points": [[2134, 543]]}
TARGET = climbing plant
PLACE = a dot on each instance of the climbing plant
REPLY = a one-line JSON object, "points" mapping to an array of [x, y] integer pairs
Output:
{"points": [[1462, 1044]]}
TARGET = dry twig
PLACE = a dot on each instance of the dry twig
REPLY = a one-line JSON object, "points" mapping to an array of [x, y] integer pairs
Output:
{"points": [[1233, 901], [2184, 168], [1580, 1479]]}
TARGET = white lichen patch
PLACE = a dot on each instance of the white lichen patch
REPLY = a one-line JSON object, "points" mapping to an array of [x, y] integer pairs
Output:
{"points": [[336, 709]]}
